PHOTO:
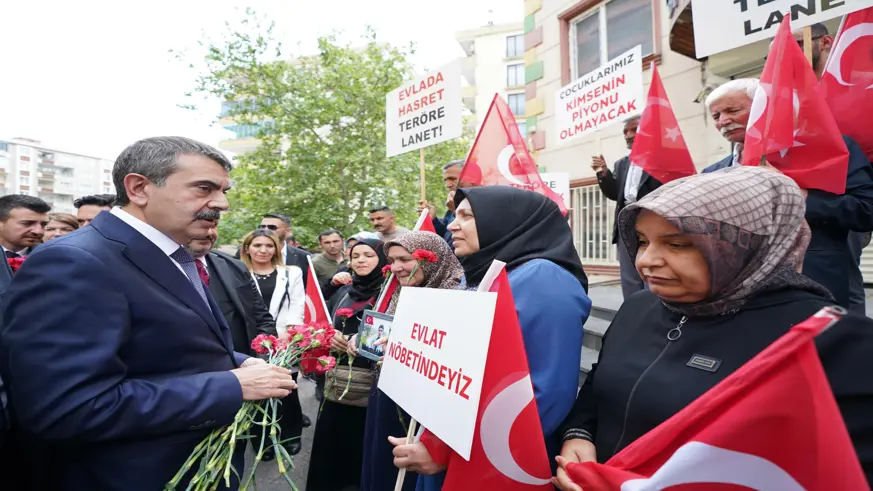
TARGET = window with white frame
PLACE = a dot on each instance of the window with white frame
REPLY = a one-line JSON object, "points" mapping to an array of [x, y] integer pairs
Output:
{"points": [[608, 30], [522, 128], [515, 75], [516, 104], [515, 46]]}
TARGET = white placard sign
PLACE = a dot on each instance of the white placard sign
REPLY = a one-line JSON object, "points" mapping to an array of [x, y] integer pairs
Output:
{"points": [[610, 94], [720, 25], [559, 182], [435, 360], [424, 112]]}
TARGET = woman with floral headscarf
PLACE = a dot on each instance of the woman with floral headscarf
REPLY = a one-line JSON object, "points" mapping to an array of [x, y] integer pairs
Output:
{"points": [[721, 255], [527, 232], [384, 418]]}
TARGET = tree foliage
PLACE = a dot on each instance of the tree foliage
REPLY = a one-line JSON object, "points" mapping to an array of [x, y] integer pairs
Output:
{"points": [[321, 122]]}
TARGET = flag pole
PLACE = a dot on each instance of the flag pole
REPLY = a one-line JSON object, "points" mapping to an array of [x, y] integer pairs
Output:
{"points": [[807, 44], [410, 436], [421, 168]]}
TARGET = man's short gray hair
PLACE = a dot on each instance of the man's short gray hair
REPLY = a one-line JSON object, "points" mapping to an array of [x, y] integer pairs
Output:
{"points": [[453, 163], [746, 85], [157, 159]]}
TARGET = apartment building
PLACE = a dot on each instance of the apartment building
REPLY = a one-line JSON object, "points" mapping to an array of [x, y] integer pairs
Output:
{"points": [[565, 39], [493, 64], [56, 176]]}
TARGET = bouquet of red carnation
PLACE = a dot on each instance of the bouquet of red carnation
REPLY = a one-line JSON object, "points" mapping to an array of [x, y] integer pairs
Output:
{"points": [[15, 263], [307, 348]]}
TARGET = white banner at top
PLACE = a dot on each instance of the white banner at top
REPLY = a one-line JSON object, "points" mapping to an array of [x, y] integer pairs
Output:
{"points": [[720, 25]]}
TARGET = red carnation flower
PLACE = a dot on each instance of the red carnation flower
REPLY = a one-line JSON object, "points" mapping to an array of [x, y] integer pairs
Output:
{"points": [[15, 263], [308, 365], [263, 344], [325, 363], [345, 313], [423, 255], [386, 270]]}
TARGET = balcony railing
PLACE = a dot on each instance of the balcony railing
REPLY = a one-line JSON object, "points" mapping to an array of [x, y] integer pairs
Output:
{"points": [[592, 222]]}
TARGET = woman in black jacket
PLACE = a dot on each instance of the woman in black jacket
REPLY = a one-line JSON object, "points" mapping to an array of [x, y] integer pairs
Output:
{"points": [[721, 255]]}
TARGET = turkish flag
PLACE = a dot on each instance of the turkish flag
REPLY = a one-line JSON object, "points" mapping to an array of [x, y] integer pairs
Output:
{"points": [[316, 308], [772, 424], [509, 450], [659, 147], [847, 81], [790, 123], [424, 224], [499, 156]]}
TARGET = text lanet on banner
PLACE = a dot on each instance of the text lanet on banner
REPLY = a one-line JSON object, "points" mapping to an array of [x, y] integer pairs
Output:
{"points": [[424, 112], [721, 25]]}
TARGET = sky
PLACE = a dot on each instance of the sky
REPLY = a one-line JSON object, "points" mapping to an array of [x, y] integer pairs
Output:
{"points": [[92, 76]]}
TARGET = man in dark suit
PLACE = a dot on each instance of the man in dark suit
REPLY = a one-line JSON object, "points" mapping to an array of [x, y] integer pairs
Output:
{"points": [[22, 224], [829, 259], [246, 314], [625, 185], [117, 359]]}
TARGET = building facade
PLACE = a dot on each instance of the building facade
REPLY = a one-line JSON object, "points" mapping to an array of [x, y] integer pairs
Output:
{"points": [[565, 39], [58, 177], [494, 64]]}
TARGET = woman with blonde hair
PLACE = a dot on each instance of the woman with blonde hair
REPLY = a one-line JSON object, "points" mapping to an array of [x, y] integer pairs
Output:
{"points": [[281, 287]]}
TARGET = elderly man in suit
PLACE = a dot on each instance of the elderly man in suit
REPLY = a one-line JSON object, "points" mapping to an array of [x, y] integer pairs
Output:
{"points": [[117, 358], [829, 259], [624, 185]]}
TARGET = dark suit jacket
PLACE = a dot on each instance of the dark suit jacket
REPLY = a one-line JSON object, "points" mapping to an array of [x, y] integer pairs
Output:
{"points": [[298, 257], [237, 296], [612, 186], [830, 217], [5, 280], [441, 226], [115, 366]]}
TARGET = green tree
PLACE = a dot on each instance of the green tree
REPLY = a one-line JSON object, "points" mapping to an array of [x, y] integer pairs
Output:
{"points": [[321, 122]]}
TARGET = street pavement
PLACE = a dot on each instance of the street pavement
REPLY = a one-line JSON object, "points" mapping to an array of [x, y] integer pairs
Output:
{"points": [[267, 476]]}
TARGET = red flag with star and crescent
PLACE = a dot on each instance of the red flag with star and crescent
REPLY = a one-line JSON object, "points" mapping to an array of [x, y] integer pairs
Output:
{"points": [[424, 224], [659, 148], [847, 81], [790, 123], [509, 450], [499, 156], [772, 424], [316, 308]]}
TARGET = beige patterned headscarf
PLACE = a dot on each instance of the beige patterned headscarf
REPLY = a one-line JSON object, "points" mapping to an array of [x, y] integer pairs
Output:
{"points": [[748, 222], [445, 274]]}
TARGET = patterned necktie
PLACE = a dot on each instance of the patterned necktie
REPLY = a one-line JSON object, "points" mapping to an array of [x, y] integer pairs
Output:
{"points": [[201, 270], [12, 255], [187, 261]]}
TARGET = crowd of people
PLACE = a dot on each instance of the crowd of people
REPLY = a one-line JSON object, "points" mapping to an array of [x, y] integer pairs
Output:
{"points": [[126, 335]]}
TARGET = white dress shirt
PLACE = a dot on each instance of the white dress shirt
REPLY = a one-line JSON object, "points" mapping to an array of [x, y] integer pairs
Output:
{"points": [[737, 155], [632, 182], [164, 243], [22, 252]]}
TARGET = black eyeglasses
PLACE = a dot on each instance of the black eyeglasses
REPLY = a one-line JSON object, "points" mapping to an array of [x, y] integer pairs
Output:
{"points": [[270, 227]]}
